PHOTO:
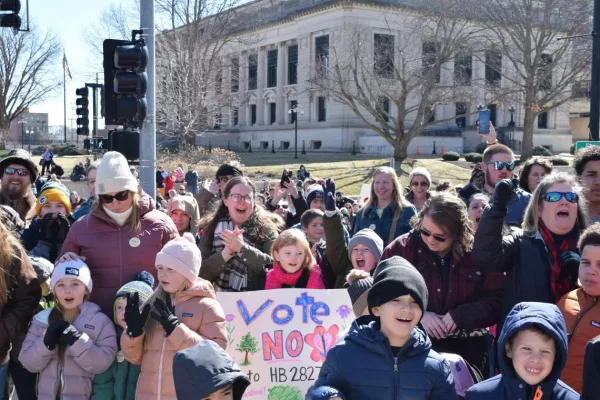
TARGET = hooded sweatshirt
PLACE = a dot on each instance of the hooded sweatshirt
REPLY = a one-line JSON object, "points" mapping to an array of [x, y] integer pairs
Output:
{"points": [[509, 385]]}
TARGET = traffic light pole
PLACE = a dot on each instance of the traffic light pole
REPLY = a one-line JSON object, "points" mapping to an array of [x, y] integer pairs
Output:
{"points": [[148, 134], [595, 92]]}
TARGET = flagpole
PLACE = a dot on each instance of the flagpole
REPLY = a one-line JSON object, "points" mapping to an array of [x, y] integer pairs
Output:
{"points": [[65, 100]]}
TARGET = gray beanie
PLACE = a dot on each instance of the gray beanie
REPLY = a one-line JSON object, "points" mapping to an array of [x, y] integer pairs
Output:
{"points": [[419, 171], [368, 238], [43, 268]]}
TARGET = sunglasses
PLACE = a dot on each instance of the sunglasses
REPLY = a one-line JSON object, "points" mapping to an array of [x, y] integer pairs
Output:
{"points": [[284, 206], [107, 198], [18, 171], [499, 165], [438, 238], [415, 184], [553, 197]]}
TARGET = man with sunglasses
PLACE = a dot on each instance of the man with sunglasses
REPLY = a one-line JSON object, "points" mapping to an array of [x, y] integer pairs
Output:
{"points": [[498, 164], [17, 173]]}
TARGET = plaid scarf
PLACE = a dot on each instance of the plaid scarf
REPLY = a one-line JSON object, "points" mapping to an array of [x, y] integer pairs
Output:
{"points": [[234, 276], [559, 278]]}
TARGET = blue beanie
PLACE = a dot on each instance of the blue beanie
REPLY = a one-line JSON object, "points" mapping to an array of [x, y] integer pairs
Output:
{"points": [[314, 191]]}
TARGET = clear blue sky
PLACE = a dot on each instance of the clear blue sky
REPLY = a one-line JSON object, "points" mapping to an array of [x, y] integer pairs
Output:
{"points": [[67, 19]]}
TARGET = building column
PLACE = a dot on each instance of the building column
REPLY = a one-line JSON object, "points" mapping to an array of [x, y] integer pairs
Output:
{"points": [[243, 78], [281, 82], [262, 74]]}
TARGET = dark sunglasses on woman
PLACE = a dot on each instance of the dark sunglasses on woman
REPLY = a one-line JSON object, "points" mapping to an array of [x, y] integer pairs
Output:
{"points": [[554, 197], [439, 238], [18, 171], [415, 184], [107, 198]]}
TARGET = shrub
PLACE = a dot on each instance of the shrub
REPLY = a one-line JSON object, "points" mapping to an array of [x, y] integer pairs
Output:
{"points": [[559, 161], [203, 161], [68, 149], [480, 148], [474, 157], [541, 151], [38, 151], [450, 156]]}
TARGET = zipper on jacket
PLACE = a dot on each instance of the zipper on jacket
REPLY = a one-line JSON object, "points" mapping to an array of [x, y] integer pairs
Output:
{"points": [[120, 258], [160, 367], [396, 378], [581, 315]]}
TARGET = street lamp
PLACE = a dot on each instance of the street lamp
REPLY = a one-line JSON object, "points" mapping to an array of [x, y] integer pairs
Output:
{"points": [[511, 124], [29, 133], [22, 122], [480, 107], [294, 111]]}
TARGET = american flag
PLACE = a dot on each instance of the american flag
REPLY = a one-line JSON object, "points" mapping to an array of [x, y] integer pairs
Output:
{"points": [[66, 66]]}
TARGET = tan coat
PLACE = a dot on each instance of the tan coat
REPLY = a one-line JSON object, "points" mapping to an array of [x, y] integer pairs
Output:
{"points": [[201, 318]]}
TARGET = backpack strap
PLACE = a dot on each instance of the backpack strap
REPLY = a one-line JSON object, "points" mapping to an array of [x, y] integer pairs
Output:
{"points": [[394, 223]]}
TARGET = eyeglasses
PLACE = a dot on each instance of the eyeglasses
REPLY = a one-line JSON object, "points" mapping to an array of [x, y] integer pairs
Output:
{"points": [[415, 184], [225, 179], [438, 238], [284, 206], [18, 171], [553, 197], [499, 165], [107, 198], [236, 198]]}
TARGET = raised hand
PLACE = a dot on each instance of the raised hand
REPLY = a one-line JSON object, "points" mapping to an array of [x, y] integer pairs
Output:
{"points": [[329, 194], [135, 319], [165, 314]]}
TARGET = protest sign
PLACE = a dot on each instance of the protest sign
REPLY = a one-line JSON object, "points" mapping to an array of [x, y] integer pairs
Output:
{"points": [[280, 338]]}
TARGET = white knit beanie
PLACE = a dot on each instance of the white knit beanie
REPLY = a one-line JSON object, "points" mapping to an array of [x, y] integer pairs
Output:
{"points": [[419, 171], [182, 255], [75, 269], [113, 175]]}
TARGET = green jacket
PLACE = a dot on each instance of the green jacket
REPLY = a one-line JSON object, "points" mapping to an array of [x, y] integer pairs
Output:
{"points": [[337, 249], [119, 381]]}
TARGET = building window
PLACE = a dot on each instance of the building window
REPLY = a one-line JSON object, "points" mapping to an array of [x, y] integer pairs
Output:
{"points": [[293, 64], [293, 104], [493, 68], [264, 145], [384, 55], [252, 114], [272, 113], [493, 113], [461, 109], [246, 145], [431, 55], [322, 55], [384, 108], [252, 71], [543, 120], [546, 72], [236, 116], [284, 145], [315, 144], [322, 111], [581, 90], [219, 81], [463, 69], [272, 68], [235, 75], [218, 121]]}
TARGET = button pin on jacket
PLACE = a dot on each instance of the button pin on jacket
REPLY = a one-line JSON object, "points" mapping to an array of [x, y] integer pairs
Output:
{"points": [[134, 242], [372, 227]]}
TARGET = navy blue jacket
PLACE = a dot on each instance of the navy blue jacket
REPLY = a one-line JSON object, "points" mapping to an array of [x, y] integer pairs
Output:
{"points": [[367, 218], [362, 367], [509, 385]]}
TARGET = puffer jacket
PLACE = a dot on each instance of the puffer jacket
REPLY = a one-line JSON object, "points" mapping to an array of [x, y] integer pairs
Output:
{"points": [[201, 317], [363, 367], [582, 316], [24, 294], [474, 298], [368, 218], [508, 385], [115, 254], [591, 371], [523, 258], [91, 354]]}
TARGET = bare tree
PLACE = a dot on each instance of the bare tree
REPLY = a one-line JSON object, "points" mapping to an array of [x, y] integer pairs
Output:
{"points": [[29, 65], [540, 70], [408, 68]]}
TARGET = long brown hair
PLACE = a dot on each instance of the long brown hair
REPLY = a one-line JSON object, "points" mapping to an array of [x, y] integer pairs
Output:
{"points": [[259, 227], [449, 213], [397, 196], [136, 214], [10, 252]]}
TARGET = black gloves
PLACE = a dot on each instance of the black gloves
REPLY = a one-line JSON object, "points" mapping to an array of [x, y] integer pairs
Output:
{"points": [[503, 193], [53, 333], [54, 230], [135, 319], [165, 315], [329, 194], [69, 335]]}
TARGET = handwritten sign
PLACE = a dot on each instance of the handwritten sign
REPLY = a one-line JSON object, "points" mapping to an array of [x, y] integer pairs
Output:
{"points": [[280, 338]]}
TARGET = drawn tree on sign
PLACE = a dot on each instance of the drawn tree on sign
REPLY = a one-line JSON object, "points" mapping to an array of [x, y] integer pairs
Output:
{"points": [[285, 393], [248, 345]]}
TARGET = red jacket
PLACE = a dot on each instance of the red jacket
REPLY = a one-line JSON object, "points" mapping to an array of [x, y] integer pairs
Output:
{"points": [[473, 300], [115, 254], [169, 182]]}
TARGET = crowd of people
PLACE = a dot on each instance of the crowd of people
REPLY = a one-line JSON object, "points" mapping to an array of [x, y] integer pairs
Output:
{"points": [[484, 291]]}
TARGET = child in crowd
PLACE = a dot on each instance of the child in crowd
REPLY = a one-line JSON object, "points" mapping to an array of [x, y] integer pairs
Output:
{"points": [[294, 266], [120, 381], [533, 352], [48, 230], [389, 357], [183, 311], [311, 223], [43, 268], [70, 343], [581, 308], [207, 363], [359, 284]]}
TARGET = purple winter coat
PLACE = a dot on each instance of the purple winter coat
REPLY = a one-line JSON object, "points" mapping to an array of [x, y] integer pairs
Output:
{"points": [[115, 254], [93, 353]]}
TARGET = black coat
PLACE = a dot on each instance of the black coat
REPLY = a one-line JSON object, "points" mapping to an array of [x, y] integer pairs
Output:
{"points": [[591, 370]]}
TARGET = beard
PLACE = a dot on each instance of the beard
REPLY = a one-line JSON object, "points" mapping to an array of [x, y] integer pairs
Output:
{"points": [[13, 192]]}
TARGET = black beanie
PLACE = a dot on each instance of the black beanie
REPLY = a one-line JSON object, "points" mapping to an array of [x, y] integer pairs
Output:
{"points": [[397, 277], [228, 170]]}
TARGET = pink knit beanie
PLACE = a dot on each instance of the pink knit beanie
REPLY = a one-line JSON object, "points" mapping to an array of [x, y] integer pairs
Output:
{"points": [[182, 255]]}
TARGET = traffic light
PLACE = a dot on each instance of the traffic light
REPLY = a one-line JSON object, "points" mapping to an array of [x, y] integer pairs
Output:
{"points": [[125, 142], [9, 18], [83, 122], [125, 82]]}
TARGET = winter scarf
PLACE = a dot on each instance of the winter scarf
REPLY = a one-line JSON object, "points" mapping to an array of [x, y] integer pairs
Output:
{"points": [[234, 277], [559, 279]]}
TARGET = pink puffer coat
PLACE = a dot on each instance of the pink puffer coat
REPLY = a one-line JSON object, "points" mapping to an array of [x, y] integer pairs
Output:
{"points": [[93, 353], [201, 317], [115, 254]]}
